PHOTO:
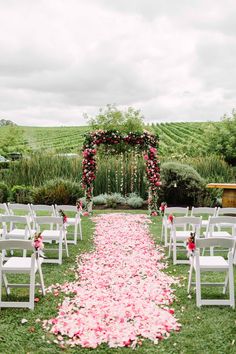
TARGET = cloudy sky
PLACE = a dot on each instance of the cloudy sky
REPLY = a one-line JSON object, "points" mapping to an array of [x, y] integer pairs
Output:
{"points": [[174, 60]]}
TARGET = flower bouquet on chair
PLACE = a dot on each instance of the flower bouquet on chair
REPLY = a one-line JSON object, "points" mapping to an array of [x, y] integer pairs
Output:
{"points": [[38, 244], [190, 244]]}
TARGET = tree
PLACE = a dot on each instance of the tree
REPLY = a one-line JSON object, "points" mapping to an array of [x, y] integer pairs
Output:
{"points": [[4, 122], [222, 138], [111, 118]]}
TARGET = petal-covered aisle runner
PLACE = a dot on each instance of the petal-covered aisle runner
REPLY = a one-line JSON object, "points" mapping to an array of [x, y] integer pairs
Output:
{"points": [[121, 293]]}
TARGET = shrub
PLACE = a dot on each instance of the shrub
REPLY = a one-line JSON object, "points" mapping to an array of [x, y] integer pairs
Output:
{"points": [[134, 201], [118, 198], [181, 185], [100, 199], [22, 194], [111, 201], [4, 192], [58, 191]]}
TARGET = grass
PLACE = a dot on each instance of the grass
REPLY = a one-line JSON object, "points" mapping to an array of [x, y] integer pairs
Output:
{"points": [[208, 330]]}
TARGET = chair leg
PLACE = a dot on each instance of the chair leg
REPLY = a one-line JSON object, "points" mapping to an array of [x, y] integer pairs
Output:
{"points": [[226, 283], [5, 282], [174, 252], [80, 231], [198, 288], [190, 278], [32, 290], [75, 233], [170, 246], [166, 236], [41, 279], [231, 287], [162, 232], [60, 251], [66, 246]]}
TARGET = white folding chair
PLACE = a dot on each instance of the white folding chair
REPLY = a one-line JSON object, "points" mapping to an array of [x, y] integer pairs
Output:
{"points": [[205, 213], [74, 221], [57, 236], [213, 264], [42, 210], [178, 237], [176, 211], [20, 265], [220, 223], [16, 227]]}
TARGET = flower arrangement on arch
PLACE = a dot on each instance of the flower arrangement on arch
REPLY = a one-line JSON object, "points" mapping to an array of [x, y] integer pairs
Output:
{"points": [[190, 244]]}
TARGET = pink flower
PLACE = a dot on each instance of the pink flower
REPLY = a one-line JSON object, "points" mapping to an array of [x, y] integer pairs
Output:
{"points": [[153, 150], [85, 213], [145, 157]]}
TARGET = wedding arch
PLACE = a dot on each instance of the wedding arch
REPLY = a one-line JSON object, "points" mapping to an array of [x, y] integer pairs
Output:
{"points": [[146, 142]]}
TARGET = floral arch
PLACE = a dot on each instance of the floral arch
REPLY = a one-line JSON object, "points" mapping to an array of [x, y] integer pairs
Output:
{"points": [[146, 142]]}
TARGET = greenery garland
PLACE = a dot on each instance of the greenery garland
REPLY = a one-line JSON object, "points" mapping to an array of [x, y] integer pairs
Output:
{"points": [[145, 142]]}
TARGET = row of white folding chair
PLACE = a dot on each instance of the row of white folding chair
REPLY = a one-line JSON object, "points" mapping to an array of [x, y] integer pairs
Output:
{"points": [[33, 210], [204, 212], [20, 265], [193, 224], [49, 235], [206, 263]]}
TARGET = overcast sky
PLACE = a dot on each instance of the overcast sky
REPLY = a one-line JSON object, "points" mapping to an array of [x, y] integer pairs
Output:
{"points": [[174, 60]]}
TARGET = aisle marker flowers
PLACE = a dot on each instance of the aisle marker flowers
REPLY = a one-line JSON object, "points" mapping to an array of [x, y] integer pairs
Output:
{"points": [[121, 294]]}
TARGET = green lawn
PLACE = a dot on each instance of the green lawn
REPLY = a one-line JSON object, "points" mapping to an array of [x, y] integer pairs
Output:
{"points": [[206, 330]]}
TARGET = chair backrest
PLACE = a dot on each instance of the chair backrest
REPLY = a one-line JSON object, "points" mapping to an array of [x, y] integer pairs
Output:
{"points": [[39, 209], [176, 210], [20, 219], [203, 210], [193, 221], [15, 219], [17, 206], [215, 242], [16, 244], [218, 220], [4, 209], [48, 220], [226, 211], [72, 208]]}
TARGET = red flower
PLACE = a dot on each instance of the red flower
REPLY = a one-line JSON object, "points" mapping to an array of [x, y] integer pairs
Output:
{"points": [[191, 246]]}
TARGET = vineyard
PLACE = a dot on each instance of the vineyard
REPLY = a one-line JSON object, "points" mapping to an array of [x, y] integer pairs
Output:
{"points": [[184, 139]]}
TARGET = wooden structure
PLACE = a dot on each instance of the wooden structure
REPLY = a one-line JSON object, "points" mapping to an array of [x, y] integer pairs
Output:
{"points": [[229, 193]]}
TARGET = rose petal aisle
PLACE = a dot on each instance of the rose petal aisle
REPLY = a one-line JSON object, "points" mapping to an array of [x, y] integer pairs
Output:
{"points": [[121, 295]]}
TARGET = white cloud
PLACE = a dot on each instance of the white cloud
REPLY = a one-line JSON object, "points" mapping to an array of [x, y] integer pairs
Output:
{"points": [[173, 60]]}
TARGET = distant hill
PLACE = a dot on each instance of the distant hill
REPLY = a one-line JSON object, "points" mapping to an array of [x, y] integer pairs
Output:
{"points": [[180, 139]]}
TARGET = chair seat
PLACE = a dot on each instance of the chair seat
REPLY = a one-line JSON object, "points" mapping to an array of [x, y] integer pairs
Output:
{"points": [[212, 262], [71, 221], [20, 264], [182, 235], [204, 223], [16, 233], [51, 235], [219, 234]]}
